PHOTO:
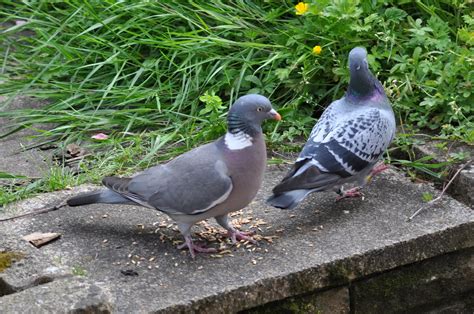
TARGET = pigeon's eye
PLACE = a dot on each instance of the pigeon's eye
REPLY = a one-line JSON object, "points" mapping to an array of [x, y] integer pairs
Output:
{"points": [[259, 109]]}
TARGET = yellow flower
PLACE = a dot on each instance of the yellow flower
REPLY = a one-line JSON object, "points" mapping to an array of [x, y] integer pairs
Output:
{"points": [[317, 50], [301, 8]]}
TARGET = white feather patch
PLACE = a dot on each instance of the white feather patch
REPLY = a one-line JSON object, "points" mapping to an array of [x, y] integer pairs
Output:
{"points": [[237, 141], [312, 162]]}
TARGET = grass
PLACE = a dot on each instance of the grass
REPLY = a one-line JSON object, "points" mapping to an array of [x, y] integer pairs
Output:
{"points": [[158, 77]]}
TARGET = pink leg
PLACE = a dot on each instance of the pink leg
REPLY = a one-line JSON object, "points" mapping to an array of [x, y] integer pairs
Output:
{"points": [[236, 235], [354, 192], [188, 242], [378, 169]]}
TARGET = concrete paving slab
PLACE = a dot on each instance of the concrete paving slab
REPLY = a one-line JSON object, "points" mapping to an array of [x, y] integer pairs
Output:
{"points": [[13, 158], [129, 252]]}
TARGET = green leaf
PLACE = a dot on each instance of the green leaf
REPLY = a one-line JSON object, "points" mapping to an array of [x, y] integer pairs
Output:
{"points": [[4, 175], [395, 14], [427, 196], [253, 79]]}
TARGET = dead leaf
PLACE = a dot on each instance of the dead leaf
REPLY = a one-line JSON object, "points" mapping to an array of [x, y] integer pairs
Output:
{"points": [[75, 150], [39, 239]]}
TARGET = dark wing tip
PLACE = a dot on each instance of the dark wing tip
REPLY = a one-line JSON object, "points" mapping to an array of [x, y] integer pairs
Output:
{"points": [[115, 183]]}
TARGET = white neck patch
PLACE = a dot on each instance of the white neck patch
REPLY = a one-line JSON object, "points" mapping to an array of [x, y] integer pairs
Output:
{"points": [[237, 141]]}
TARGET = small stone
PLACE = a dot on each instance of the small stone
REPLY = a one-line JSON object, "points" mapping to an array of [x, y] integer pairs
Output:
{"points": [[129, 272]]}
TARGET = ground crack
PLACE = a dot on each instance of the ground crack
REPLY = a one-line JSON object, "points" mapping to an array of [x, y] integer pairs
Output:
{"points": [[6, 288]]}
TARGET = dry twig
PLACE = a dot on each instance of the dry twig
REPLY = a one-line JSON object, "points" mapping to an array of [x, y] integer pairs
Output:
{"points": [[36, 212]]}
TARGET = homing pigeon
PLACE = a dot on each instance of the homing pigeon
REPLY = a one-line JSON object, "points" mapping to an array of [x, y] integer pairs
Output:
{"points": [[346, 142], [209, 181]]}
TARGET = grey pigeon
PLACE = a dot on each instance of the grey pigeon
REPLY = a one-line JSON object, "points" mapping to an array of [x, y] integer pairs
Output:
{"points": [[209, 181], [346, 142]]}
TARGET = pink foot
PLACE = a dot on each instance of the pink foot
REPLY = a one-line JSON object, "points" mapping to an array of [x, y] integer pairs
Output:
{"points": [[378, 169], [188, 242], [237, 235], [354, 192]]}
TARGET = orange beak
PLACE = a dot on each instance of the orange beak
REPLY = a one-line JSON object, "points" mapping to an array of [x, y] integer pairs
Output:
{"points": [[275, 115]]}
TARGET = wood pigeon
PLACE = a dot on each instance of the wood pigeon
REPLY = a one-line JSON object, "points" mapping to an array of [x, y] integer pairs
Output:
{"points": [[209, 181]]}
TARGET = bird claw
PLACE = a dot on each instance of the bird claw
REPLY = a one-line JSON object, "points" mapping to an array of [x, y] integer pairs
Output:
{"points": [[195, 247], [354, 192], [237, 235]]}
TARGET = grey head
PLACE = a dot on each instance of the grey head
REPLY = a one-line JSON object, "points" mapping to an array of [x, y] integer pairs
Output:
{"points": [[248, 112], [362, 81]]}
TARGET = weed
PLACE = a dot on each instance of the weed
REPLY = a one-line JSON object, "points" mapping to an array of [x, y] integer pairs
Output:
{"points": [[79, 271]]}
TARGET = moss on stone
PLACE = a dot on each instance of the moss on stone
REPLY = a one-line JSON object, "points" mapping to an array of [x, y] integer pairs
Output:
{"points": [[7, 258], [294, 305], [338, 274]]}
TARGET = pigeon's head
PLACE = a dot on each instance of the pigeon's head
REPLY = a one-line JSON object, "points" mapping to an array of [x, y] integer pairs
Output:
{"points": [[362, 83], [358, 60], [248, 112]]}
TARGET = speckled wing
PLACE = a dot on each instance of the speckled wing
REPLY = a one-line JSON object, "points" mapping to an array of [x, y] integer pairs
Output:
{"points": [[325, 123], [190, 184], [351, 145], [344, 150]]}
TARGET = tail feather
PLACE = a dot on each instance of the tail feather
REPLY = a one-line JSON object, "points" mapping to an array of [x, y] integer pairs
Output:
{"points": [[288, 200], [103, 196]]}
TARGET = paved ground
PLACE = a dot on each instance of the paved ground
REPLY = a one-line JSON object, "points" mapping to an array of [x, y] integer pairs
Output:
{"points": [[320, 244], [13, 158]]}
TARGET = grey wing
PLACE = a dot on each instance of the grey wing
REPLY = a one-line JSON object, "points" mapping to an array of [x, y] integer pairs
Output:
{"points": [[190, 184], [354, 144]]}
